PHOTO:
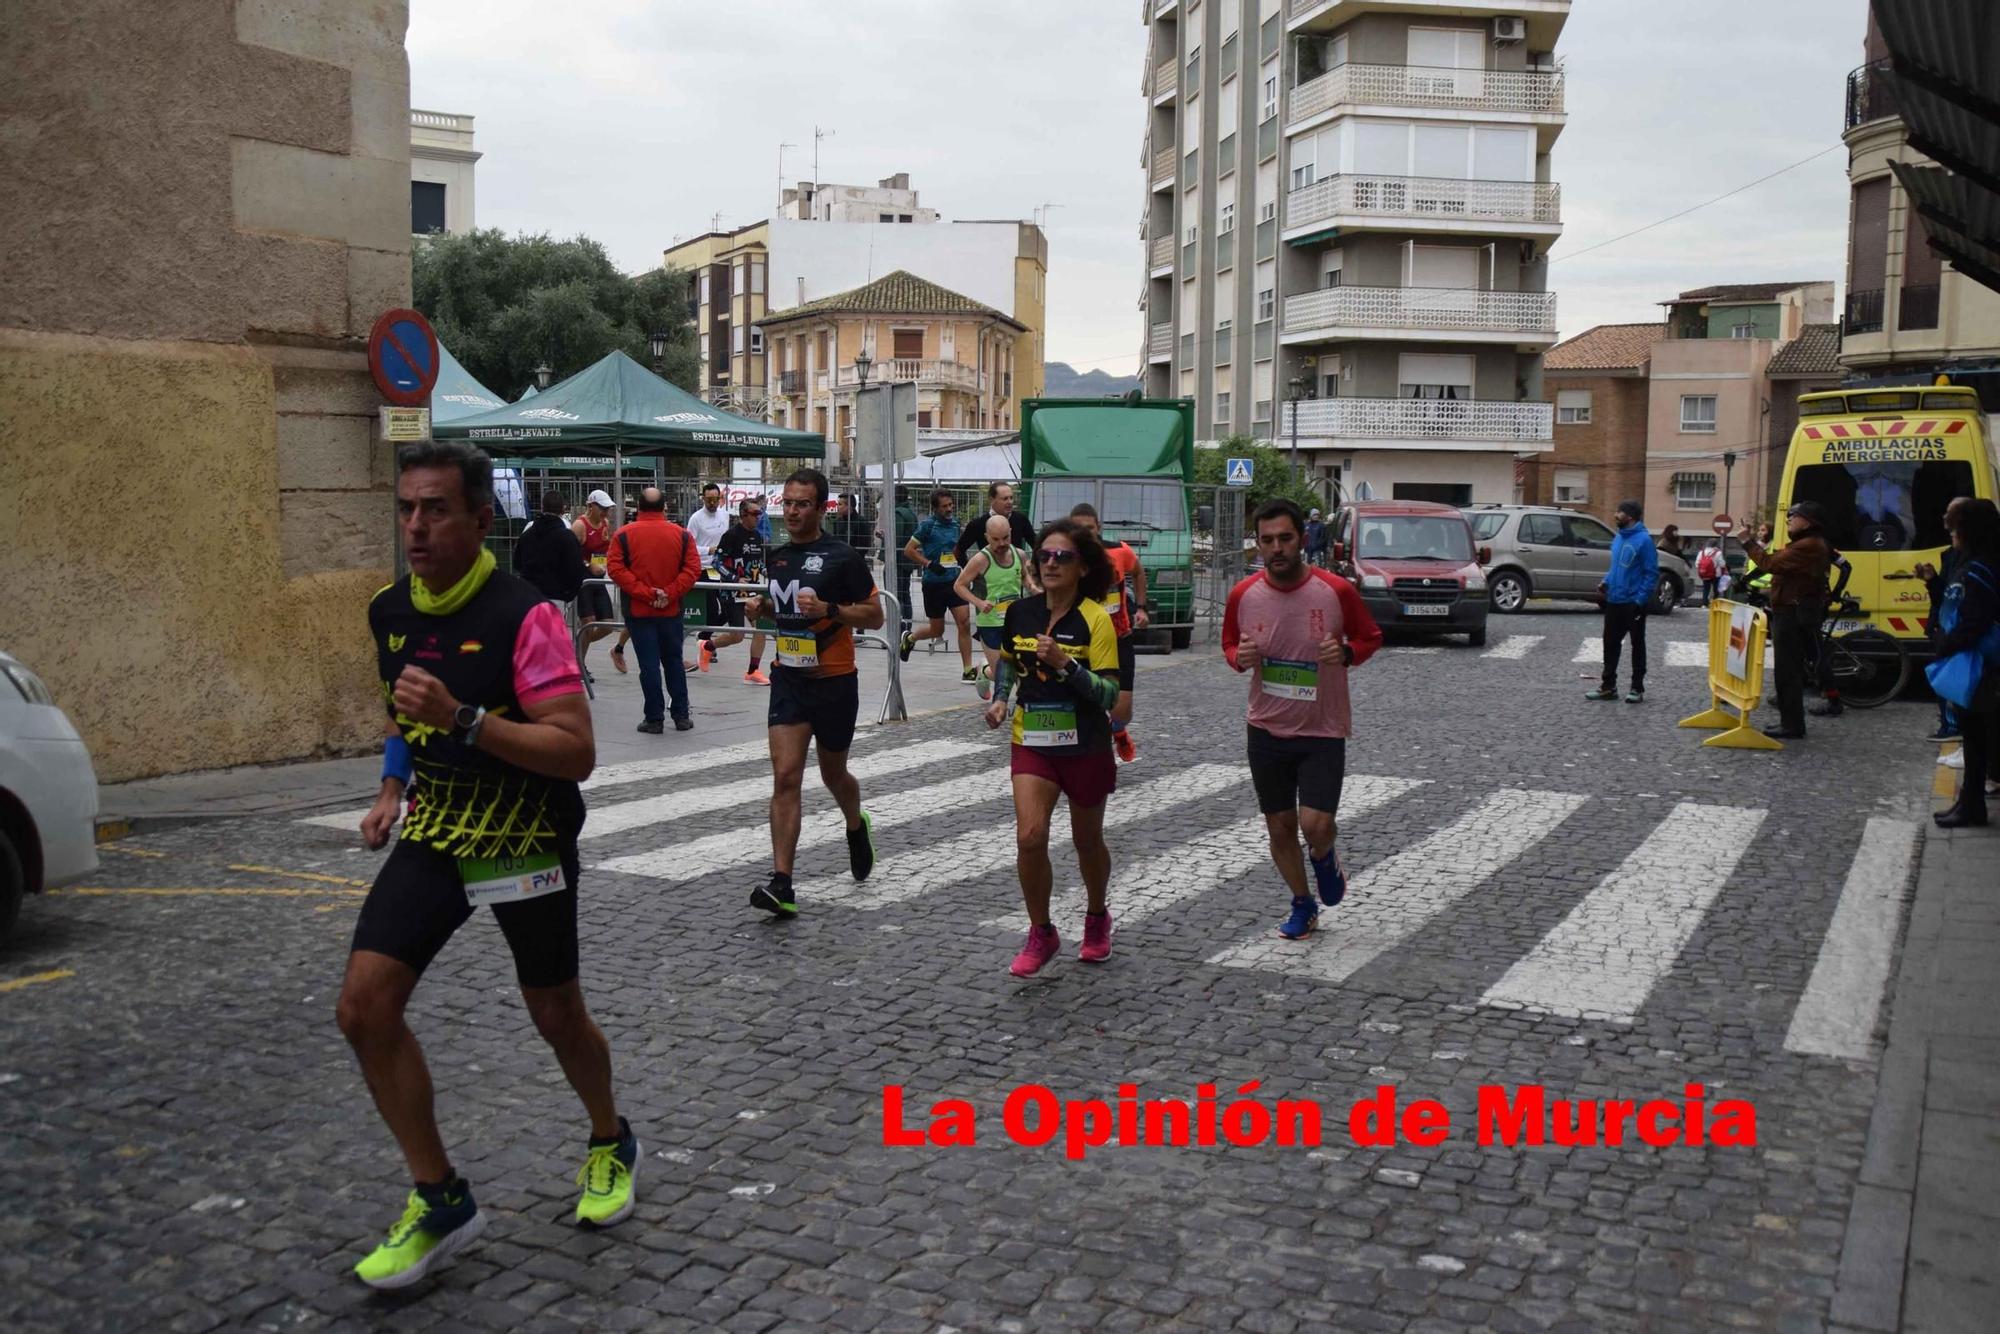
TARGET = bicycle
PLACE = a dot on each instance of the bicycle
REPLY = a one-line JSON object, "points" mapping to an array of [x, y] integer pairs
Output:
{"points": [[1866, 667]]}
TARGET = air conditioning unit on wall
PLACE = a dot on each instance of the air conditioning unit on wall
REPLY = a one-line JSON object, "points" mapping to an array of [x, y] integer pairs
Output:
{"points": [[1507, 31]]}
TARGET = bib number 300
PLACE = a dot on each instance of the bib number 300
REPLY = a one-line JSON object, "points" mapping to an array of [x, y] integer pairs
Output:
{"points": [[511, 879], [798, 650]]}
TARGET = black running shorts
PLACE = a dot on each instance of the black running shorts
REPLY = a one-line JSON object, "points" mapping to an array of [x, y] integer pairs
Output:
{"points": [[1128, 666], [1293, 771], [418, 902], [829, 703], [940, 596]]}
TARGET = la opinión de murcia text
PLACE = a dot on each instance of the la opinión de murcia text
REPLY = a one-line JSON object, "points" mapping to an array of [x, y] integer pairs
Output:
{"points": [[1035, 1116]]}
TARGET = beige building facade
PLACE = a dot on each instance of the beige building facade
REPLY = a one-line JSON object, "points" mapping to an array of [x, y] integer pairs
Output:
{"points": [[1908, 312], [196, 511], [442, 169], [731, 272], [959, 354]]}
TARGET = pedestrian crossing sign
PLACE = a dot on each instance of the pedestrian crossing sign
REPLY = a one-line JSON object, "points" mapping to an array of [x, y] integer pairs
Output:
{"points": [[1239, 471]]}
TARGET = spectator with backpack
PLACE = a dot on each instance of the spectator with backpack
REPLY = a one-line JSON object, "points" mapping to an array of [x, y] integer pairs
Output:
{"points": [[1711, 569]]}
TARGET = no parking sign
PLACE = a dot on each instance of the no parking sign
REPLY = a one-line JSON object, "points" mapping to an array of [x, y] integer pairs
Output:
{"points": [[403, 357]]}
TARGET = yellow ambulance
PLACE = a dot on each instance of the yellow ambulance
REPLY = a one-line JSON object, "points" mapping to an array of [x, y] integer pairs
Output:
{"points": [[1883, 463]]}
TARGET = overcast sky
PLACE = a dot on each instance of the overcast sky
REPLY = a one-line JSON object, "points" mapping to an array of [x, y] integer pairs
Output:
{"points": [[638, 121]]}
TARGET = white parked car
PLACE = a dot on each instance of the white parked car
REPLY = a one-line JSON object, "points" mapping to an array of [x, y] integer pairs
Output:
{"points": [[48, 793]]}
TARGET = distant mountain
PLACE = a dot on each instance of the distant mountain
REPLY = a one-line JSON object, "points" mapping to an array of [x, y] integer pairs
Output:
{"points": [[1060, 380]]}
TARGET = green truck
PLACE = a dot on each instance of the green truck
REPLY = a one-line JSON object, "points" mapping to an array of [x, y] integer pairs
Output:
{"points": [[1133, 458]]}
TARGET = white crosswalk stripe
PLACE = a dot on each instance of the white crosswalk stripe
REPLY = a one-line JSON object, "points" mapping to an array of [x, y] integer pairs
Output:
{"points": [[991, 850], [1603, 960], [1679, 652], [752, 842], [611, 775], [1513, 647], [1391, 900], [1142, 888], [1836, 1016], [691, 798]]}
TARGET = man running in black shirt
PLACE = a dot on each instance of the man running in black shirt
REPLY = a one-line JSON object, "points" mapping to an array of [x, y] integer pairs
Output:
{"points": [[819, 592]]}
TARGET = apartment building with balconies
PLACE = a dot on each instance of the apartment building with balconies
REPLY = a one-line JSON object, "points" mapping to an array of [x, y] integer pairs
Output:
{"points": [[1908, 313], [1349, 205], [730, 271]]}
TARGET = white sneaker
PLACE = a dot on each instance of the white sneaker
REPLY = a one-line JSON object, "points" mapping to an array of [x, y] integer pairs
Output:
{"points": [[1955, 760]]}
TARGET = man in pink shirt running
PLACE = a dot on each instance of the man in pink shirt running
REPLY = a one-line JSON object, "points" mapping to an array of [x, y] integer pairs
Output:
{"points": [[1297, 629]]}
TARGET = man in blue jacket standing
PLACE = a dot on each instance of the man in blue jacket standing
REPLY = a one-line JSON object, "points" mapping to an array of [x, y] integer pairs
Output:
{"points": [[1627, 591]]}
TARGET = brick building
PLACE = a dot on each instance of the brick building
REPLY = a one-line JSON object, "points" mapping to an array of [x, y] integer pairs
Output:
{"points": [[1598, 381]]}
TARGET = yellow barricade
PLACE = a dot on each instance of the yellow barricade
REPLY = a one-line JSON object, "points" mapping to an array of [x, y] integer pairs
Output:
{"points": [[1736, 633]]}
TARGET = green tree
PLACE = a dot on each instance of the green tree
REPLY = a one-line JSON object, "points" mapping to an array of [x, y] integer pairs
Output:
{"points": [[505, 304], [1271, 473]]}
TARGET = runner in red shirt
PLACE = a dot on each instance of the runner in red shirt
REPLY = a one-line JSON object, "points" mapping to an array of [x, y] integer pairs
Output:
{"points": [[1126, 602], [1297, 629]]}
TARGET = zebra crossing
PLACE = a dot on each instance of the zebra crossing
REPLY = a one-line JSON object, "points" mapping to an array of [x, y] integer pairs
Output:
{"points": [[947, 821]]}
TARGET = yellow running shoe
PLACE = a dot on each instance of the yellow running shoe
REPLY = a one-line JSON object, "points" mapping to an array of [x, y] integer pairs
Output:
{"points": [[608, 1178]]}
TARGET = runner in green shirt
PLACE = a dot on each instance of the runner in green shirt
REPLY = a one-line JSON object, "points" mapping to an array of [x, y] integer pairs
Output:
{"points": [[990, 580]]}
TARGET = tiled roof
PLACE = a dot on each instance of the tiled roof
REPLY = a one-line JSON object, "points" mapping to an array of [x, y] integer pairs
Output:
{"points": [[1726, 292], [1816, 351], [1608, 347], [898, 293]]}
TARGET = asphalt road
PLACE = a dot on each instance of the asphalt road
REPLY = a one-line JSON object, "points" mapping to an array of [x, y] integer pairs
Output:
{"points": [[1546, 892]]}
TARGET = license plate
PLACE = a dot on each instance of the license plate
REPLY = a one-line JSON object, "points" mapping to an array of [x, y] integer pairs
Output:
{"points": [[1425, 609], [1849, 627]]}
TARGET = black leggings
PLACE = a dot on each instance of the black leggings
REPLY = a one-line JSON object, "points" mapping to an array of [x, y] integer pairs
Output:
{"points": [[1979, 735]]}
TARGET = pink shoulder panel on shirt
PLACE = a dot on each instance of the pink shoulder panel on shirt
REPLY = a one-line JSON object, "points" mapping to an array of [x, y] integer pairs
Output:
{"points": [[544, 662]]}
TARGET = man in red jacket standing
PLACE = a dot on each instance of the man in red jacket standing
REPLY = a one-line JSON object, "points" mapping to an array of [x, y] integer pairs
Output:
{"points": [[655, 563]]}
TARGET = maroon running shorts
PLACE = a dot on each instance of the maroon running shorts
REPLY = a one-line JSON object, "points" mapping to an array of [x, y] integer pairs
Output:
{"points": [[1087, 779]]}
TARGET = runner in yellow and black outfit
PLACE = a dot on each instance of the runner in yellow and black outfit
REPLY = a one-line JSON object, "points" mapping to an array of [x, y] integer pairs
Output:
{"points": [[1061, 650], [485, 702]]}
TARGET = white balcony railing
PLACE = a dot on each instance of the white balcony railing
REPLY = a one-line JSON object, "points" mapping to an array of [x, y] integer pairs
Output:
{"points": [[1161, 252], [945, 374], [1422, 419], [440, 120], [1163, 164], [1161, 344], [1453, 309], [1166, 78], [1424, 197], [1534, 92]]}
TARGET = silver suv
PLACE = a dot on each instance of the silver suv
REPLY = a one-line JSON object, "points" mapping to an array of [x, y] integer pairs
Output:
{"points": [[1540, 551]]}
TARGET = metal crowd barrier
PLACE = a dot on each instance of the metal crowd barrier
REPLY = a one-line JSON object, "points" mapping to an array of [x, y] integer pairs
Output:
{"points": [[694, 614]]}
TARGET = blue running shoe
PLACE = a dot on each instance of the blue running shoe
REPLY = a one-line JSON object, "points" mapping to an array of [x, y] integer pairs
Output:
{"points": [[1302, 921], [1329, 875]]}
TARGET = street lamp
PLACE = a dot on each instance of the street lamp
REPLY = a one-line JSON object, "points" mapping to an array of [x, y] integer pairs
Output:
{"points": [[1298, 387], [656, 343], [1728, 471], [545, 376], [863, 363]]}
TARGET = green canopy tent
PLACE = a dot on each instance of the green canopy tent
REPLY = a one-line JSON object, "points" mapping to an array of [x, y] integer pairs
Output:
{"points": [[456, 394], [617, 409]]}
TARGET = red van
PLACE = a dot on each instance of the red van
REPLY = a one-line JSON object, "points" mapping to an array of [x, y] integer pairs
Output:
{"points": [[1415, 565]]}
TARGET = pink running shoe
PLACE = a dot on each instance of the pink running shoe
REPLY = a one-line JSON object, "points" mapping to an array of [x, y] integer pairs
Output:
{"points": [[1096, 946], [1040, 946]]}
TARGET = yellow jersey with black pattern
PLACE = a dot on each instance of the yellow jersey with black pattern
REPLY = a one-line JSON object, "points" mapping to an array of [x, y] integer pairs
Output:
{"points": [[504, 647], [1049, 715]]}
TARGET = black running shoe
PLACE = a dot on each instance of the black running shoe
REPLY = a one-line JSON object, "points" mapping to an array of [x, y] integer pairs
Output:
{"points": [[861, 847], [776, 897]]}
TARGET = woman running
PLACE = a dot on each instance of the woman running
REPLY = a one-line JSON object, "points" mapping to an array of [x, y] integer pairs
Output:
{"points": [[1060, 650]]}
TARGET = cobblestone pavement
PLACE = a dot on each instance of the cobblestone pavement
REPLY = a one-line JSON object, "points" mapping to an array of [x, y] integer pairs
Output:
{"points": [[1546, 891]]}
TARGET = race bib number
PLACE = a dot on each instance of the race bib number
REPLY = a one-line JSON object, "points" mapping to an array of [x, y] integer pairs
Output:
{"points": [[949, 560], [1113, 601], [1290, 680], [1048, 725], [798, 651], [510, 879], [597, 564]]}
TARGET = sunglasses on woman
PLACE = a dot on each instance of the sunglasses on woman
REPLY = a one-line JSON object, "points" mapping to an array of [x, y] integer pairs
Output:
{"points": [[1053, 556]]}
